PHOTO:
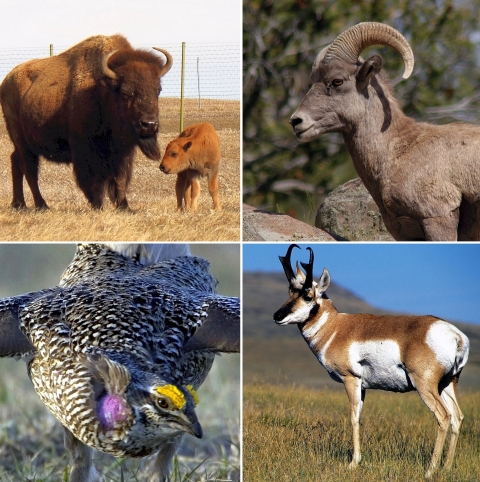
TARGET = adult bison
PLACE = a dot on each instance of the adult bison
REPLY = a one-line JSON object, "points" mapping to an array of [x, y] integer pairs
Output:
{"points": [[194, 154], [89, 106]]}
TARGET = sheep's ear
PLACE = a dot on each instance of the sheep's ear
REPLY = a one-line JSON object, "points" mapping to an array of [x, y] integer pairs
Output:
{"points": [[369, 69]]}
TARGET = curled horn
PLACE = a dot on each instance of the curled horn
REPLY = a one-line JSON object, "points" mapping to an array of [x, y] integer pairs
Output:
{"points": [[308, 267], [107, 71], [349, 45], [287, 265], [168, 63]]}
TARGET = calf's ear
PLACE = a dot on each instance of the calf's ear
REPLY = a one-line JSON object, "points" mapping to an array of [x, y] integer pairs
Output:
{"points": [[187, 146], [368, 70]]}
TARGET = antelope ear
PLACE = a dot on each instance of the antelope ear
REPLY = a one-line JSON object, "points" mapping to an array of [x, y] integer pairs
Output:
{"points": [[368, 70], [300, 274], [323, 282]]}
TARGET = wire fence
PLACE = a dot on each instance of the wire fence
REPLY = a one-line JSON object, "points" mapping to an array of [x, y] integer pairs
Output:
{"points": [[212, 71]]}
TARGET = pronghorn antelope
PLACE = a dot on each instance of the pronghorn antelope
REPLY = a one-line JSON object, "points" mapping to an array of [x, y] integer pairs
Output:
{"points": [[393, 353]]}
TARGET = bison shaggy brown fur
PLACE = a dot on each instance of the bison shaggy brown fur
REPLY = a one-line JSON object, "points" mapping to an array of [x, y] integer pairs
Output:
{"points": [[195, 153], [90, 106]]}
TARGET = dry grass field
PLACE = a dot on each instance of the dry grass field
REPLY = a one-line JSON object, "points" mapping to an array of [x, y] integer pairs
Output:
{"points": [[292, 433], [153, 215]]}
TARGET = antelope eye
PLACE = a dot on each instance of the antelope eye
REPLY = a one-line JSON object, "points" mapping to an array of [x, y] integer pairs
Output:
{"points": [[163, 403], [308, 298], [337, 82]]}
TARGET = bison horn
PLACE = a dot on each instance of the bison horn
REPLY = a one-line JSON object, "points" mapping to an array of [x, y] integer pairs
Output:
{"points": [[168, 63], [106, 69], [349, 44]]}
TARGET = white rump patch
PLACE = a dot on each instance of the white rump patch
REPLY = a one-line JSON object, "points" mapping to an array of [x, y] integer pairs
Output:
{"points": [[449, 344], [379, 365]]}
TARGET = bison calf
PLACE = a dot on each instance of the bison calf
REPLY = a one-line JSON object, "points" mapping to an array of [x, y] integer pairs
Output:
{"points": [[195, 153]]}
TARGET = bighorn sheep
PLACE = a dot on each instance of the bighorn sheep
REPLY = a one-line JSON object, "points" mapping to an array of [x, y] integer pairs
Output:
{"points": [[393, 353], [424, 178]]}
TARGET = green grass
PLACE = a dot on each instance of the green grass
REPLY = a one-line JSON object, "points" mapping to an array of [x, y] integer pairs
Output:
{"points": [[293, 433]]}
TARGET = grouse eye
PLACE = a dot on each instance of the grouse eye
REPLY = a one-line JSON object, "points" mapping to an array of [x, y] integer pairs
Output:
{"points": [[337, 82], [163, 403]]}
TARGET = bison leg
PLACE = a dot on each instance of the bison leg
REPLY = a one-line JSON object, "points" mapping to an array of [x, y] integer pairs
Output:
{"points": [[18, 201], [117, 185], [25, 165], [195, 192], [213, 190], [92, 187], [181, 186], [91, 184], [117, 193]]}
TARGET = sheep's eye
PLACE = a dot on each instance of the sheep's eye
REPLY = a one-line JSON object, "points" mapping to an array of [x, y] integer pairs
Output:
{"points": [[163, 403], [337, 82]]}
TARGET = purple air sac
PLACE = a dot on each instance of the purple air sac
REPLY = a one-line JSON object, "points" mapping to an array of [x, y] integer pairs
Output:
{"points": [[111, 410]]}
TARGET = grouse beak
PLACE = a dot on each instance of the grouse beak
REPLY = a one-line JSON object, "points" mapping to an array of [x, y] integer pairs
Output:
{"points": [[195, 429]]}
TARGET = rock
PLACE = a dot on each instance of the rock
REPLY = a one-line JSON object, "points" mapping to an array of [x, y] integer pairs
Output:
{"points": [[268, 226], [350, 212]]}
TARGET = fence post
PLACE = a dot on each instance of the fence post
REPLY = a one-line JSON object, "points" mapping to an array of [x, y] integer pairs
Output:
{"points": [[51, 50], [198, 84], [181, 87]]}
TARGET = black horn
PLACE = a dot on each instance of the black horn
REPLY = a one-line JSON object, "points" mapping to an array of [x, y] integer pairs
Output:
{"points": [[287, 265], [308, 267]]}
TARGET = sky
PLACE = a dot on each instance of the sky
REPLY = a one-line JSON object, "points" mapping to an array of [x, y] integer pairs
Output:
{"points": [[429, 279], [32, 23], [211, 30]]}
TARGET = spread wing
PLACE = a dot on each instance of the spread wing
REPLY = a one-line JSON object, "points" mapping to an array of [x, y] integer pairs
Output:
{"points": [[221, 330], [13, 342]]}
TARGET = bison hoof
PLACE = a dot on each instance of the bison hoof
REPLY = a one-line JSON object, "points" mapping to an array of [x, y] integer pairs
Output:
{"points": [[123, 206], [18, 205], [42, 207]]}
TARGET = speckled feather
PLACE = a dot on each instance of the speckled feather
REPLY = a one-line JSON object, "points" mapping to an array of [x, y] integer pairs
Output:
{"points": [[116, 327]]}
